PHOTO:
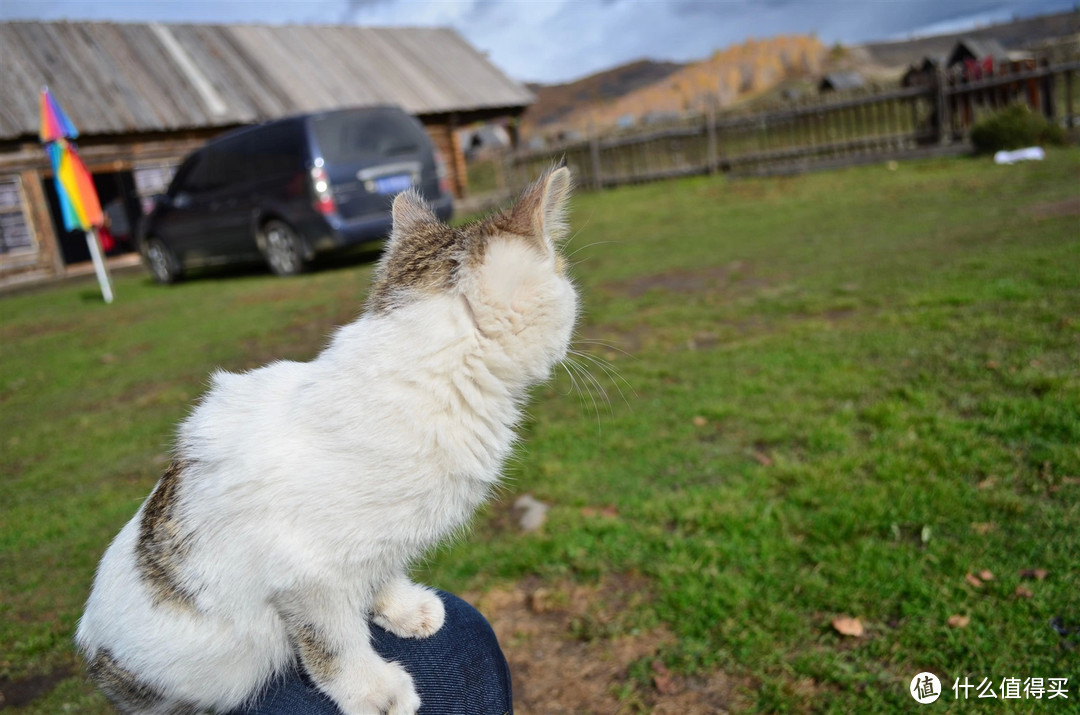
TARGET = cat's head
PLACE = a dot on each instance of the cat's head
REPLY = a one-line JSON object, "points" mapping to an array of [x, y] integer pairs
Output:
{"points": [[506, 271]]}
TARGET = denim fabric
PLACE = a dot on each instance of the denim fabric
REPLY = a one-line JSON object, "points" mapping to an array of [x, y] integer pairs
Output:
{"points": [[458, 671]]}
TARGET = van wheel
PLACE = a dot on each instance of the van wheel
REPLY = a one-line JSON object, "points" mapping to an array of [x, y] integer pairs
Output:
{"points": [[283, 249], [162, 262]]}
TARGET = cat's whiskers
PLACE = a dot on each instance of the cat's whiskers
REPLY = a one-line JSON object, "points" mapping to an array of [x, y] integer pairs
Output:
{"points": [[603, 344], [575, 385], [608, 367], [583, 389], [566, 243], [610, 371], [579, 249], [595, 382], [593, 388]]}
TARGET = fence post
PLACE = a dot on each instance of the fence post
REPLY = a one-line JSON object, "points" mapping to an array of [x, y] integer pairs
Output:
{"points": [[1070, 121], [499, 165], [941, 102], [1049, 108], [508, 168], [594, 156], [710, 133]]}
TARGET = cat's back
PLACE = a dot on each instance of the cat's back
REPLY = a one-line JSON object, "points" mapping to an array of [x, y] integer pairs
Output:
{"points": [[242, 407]]}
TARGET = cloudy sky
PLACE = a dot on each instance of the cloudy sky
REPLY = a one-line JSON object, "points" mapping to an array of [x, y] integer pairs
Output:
{"points": [[559, 40]]}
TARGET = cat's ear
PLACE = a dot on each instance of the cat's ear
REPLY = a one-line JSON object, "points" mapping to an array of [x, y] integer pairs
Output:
{"points": [[542, 208], [410, 210]]}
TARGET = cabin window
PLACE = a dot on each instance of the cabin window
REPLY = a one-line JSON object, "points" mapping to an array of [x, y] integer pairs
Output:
{"points": [[16, 238]]}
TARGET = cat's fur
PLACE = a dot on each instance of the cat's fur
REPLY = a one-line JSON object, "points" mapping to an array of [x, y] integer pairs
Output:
{"points": [[301, 492]]}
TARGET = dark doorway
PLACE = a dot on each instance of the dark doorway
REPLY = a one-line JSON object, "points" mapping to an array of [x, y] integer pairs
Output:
{"points": [[119, 202]]}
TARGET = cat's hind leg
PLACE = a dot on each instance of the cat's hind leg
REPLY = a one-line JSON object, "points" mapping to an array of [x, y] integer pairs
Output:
{"points": [[409, 610], [332, 640]]}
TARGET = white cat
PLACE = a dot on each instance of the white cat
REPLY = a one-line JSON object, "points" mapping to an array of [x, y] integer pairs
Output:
{"points": [[301, 492]]}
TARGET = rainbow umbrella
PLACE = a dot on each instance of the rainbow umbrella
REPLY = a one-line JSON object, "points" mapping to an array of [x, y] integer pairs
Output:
{"points": [[54, 123], [79, 203], [78, 199]]}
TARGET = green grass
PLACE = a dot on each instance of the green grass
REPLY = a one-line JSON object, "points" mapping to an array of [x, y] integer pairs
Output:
{"points": [[483, 176], [885, 371]]}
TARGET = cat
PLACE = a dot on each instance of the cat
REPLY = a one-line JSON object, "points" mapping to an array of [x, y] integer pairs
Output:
{"points": [[301, 492]]}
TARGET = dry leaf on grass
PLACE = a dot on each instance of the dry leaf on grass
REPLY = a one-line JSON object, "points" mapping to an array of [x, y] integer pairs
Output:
{"points": [[958, 621], [662, 679], [973, 580], [982, 528], [1065, 482], [540, 600], [987, 483], [847, 626], [609, 511], [1037, 574], [700, 421], [986, 575], [762, 459], [1024, 592]]}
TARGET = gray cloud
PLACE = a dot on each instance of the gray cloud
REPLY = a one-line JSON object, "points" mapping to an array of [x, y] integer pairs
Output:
{"points": [[558, 40]]}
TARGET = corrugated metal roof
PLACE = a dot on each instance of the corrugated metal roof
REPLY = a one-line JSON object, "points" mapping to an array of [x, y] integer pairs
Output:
{"points": [[979, 49], [116, 78], [841, 81]]}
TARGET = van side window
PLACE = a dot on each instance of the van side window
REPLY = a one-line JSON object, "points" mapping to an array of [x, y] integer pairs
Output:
{"points": [[199, 177], [229, 162], [182, 178], [277, 150], [346, 136]]}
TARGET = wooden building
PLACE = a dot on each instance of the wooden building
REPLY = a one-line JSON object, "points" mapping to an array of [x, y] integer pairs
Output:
{"points": [[144, 95], [841, 82], [968, 60], [977, 50]]}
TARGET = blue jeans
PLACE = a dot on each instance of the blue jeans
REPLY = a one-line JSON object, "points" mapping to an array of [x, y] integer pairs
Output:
{"points": [[458, 671]]}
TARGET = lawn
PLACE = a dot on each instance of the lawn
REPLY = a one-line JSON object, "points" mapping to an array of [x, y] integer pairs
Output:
{"points": [[848, 394]]}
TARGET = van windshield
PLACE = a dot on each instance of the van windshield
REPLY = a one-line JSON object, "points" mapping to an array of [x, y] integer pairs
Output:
{"points": [[358, 136]]}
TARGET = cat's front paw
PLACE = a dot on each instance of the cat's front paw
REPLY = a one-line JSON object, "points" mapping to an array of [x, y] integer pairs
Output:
{"points": [[410, 611], [388, 690]]}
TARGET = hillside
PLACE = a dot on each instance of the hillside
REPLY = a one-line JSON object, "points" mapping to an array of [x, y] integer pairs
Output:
{"points": [[555, 101], [728, 75]]}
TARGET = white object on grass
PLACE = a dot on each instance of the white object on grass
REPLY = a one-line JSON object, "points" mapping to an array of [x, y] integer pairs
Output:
{"points": [[533, 512], [1031, 153]]}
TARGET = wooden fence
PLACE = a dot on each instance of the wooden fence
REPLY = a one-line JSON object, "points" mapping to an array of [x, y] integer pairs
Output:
{"points": [[932, 118]]}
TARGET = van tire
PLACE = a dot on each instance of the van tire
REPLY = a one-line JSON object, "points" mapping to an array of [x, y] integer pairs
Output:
{"points": [[162, 262], [283, 248]]}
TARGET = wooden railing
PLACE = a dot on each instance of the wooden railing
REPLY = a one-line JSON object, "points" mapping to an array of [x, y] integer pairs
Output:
{"points": [[913, 121]]}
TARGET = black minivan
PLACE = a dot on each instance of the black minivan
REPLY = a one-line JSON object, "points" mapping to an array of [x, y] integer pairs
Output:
{"points": [[288, 189]]}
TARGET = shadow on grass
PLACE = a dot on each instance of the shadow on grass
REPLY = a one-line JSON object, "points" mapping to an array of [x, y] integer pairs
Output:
{"points": [[366, 254]]}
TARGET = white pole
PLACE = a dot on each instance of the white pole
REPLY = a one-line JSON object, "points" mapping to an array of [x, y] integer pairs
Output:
{"points": [[94, 243]]}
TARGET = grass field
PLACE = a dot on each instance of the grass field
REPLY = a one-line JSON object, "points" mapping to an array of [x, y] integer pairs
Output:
{"points": [[842, 394]]}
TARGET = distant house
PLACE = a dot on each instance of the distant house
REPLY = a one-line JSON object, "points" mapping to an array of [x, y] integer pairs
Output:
{"points": [[791, 94], [969, 59], [970, 49], [921, 74], [485, 141], [144, 95], [841, 82]]}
